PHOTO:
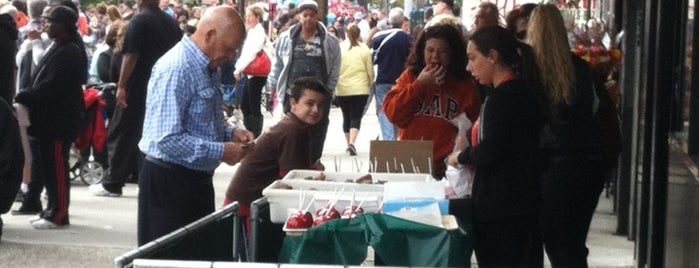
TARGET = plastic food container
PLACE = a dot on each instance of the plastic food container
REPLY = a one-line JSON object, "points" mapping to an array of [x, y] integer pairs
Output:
{"points": [[283, 202]]}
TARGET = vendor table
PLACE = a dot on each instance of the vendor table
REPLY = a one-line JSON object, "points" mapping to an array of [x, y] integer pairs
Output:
{"points": [[395, 241]]}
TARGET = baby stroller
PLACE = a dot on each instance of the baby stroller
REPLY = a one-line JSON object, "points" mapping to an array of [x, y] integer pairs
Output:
{"points": [[89, 148]]}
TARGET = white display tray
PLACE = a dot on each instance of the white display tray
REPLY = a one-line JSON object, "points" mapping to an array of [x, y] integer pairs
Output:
{"points": [[283, 202]]}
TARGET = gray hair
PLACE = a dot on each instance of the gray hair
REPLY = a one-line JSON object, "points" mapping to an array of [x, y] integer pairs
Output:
{"points": [[36, 7], [395, 17]]}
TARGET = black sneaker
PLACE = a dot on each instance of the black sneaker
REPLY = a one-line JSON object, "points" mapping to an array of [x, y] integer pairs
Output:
{"points": [[27, 210], [351, 150]]}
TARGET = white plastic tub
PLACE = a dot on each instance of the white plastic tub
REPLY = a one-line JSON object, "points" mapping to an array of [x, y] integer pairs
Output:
{"points": [[283, 202]]}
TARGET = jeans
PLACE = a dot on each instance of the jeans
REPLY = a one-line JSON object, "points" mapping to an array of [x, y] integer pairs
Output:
{"points": [[388, 130]]}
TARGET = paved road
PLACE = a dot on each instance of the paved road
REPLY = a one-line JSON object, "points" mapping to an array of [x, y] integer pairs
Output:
{"points": [[103, 228]]}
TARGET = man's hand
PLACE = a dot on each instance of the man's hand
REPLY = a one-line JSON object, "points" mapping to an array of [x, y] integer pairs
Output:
{"points": [[243, 136], [121, 97], [233, 152]]}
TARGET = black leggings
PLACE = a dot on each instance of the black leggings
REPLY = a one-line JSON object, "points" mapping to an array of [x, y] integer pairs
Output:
{"points": [[352, 110], [252, 97]]}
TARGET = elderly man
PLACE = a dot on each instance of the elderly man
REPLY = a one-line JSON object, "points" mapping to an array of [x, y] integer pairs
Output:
{"points": [[149, 35], [187, 137], [307, 49]]}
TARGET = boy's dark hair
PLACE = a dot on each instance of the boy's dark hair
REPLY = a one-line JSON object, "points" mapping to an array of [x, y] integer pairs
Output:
{"points": [[307, 83]]}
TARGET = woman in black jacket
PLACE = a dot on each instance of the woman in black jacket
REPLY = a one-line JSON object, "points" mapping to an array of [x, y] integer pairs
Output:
{"points": [[575, 167], [56, 111], [506, 187]]}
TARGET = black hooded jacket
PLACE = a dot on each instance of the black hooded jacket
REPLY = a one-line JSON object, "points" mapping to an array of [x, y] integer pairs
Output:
{"points": [[55, 98]]}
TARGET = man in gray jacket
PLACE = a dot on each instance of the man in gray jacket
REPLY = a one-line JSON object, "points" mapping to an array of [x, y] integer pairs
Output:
{"points": [[307, 49]]}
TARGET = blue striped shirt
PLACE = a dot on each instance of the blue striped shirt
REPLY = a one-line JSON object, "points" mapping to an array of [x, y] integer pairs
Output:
{"points": [[184, 122]]}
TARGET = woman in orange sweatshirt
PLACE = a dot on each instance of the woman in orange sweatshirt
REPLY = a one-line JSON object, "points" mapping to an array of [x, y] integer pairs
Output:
{"points": [[433, 89]]}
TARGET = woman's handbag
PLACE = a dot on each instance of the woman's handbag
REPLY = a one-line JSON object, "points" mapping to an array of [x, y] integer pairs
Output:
{"points": [[260, 66]]}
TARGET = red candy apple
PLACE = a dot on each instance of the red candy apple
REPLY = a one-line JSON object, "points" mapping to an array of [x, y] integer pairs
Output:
{"points": [[351, 212], [322, 219], [324, 214], [331, 213], [299, 220]]}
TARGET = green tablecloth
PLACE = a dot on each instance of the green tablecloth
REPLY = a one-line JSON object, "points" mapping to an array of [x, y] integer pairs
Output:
{"points": [[396, 242]]}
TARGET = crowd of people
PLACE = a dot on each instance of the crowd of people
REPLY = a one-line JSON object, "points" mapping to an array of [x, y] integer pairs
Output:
{"points": [[535, 145]]}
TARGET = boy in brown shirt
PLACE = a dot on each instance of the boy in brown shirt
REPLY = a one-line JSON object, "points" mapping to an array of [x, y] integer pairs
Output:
{"points": [[282, 148]]}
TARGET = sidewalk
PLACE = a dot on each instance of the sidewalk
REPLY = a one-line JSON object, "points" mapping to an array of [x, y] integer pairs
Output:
{"points": [[103, 228]]}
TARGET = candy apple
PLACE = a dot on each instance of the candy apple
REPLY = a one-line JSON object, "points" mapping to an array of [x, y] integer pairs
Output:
{"points": [[299, 220], [331, 213], [323, 219], [351, 212]]}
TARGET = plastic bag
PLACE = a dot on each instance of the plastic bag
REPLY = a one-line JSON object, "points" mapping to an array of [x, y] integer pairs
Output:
{"points": [[459, 179]]}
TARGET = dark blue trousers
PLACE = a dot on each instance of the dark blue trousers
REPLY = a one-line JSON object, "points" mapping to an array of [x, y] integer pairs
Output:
{"points": [[170, 197]]}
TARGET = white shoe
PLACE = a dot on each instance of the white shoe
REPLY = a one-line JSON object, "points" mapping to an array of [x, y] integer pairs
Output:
{"points": [[44, 224], [98, 190], [34, 218]]}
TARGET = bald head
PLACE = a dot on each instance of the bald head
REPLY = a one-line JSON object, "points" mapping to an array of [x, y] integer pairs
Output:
{"points": [[221, 17], [219, 34]]}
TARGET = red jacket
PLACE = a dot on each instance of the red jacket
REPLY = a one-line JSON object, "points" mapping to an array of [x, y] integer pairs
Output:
{"points": [[422, 117], [95, 132]]}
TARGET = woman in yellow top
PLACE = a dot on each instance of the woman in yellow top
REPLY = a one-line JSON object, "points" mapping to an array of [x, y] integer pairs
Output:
{"points": [[356, 76]]}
